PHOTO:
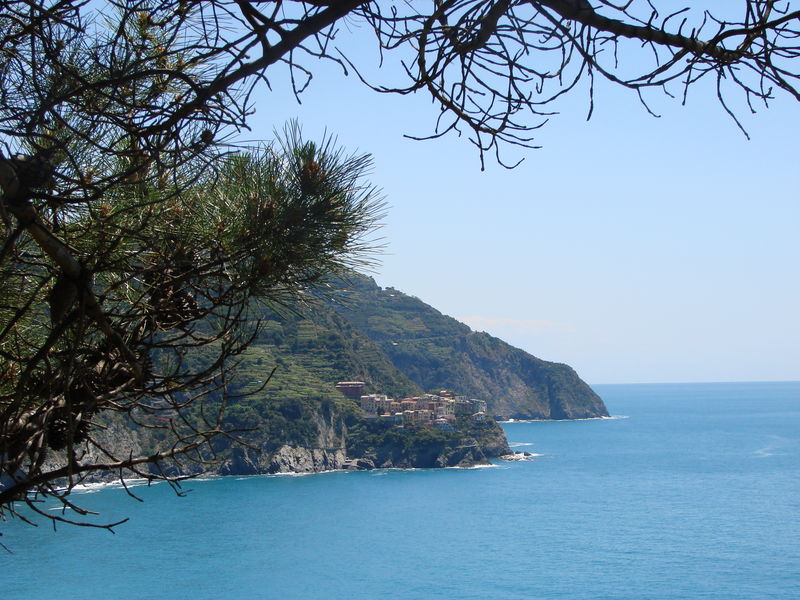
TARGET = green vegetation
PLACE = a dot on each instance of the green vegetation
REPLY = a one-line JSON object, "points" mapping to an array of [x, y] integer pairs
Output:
{"points": [[313, 350], [282, 391], [387, 444], [401, 346], [437, 352], [398, 346], [145, 300]]}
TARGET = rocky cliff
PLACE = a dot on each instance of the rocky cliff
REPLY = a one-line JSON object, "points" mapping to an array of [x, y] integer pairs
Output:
{"points": [[346, 440], [338, 438]]}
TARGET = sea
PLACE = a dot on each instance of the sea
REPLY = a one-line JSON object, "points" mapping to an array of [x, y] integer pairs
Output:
{"points": [[690, 491]]}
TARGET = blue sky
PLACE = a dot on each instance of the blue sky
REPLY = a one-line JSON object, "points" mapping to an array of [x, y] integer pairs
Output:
{"points": [[633, 248]]}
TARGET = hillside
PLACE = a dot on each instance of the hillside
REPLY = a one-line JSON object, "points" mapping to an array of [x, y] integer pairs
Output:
{"points": [[435, 351]]}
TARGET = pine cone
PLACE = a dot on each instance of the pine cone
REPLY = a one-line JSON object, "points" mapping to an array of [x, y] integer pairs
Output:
{"points": [[311, 177]]}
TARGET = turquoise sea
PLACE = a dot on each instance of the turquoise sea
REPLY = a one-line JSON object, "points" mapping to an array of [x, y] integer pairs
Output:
{"points": [[691, 491]]}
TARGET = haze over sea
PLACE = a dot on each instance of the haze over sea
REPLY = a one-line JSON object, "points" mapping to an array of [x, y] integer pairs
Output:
{"points": [[692, 491]]}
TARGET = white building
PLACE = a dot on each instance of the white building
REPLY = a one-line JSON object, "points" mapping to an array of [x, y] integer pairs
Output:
{"points": [[372, 403]]}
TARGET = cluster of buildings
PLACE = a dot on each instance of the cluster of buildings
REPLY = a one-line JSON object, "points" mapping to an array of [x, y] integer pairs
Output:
{"points": [[429, 410]]}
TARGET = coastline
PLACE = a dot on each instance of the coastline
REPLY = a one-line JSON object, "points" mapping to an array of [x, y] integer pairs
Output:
{"points": [[90, 488], [296, 464], [604, 418]]}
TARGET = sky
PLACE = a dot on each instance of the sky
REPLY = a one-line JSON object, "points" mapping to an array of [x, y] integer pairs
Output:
{"points": [[633, 248]]}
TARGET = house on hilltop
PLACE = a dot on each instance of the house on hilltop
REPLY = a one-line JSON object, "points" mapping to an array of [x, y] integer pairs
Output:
{"points": [[351, 389]]}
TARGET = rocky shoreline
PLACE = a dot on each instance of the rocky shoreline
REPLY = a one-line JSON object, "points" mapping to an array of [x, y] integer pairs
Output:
{"points": [[334, 448], [293, 459]]}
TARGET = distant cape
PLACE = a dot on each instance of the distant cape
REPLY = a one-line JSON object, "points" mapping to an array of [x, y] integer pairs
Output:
{"points": [[432, 351]]}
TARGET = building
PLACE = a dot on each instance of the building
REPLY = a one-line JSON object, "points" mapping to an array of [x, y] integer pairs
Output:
{"points": [[408, 404], [463, 407], [446, 409], [373, 403], [395, 418], [351, 389], [478, 406], [443, 424], [427, 410]]}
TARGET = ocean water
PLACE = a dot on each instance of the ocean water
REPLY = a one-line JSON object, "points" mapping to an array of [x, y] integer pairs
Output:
{"points": [[692, 491]]}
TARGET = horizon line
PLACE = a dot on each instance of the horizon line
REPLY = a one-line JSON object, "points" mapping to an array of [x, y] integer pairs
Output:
{"points": [[693, 382]]}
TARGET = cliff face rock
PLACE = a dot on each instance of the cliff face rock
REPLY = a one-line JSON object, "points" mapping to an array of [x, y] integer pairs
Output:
{"points": [[334, 448], [432, 456], [468, 445], [326, 451], [340, 442], [305, 460], [523, 386], [121, 439]]}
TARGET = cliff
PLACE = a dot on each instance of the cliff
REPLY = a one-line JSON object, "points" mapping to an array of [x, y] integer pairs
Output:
{"points": [[337, 435], [331, 437], [355, 443]]}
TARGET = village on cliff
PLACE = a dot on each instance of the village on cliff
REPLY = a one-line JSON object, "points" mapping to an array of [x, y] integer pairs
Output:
{"points": [[429, 410]]}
